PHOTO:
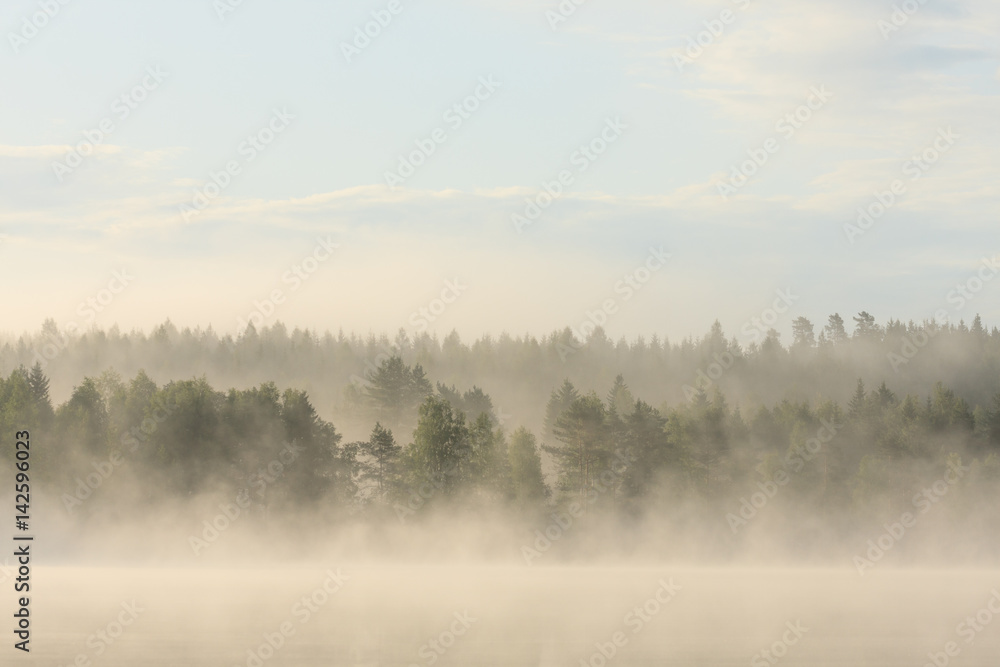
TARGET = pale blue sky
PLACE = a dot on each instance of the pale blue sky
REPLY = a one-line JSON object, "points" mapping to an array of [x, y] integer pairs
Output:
{"points": [[655, 186]]}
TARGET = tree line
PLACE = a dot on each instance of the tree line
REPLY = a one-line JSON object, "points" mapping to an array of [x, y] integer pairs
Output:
{"points": [[432, 444], [335, 368]]}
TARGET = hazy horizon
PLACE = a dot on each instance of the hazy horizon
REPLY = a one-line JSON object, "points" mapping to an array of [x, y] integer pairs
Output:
{"points": [[669, 120], [541, 333]]}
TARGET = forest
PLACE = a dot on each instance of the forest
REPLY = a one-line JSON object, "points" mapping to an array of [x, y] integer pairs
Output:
{"points": [[835, 434]]}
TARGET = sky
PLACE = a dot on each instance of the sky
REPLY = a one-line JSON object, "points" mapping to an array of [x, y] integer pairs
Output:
{"points": [[499, 165]]}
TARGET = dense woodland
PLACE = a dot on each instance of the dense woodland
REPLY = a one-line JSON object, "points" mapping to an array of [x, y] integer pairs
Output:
{"points": [[855, 423]]}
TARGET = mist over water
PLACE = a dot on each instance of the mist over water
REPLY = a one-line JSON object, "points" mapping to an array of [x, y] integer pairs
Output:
{"points": [[541, 333], [178, 523], [509, 615]]}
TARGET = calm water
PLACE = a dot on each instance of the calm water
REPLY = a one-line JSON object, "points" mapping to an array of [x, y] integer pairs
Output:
{"points": [[389, 615]]}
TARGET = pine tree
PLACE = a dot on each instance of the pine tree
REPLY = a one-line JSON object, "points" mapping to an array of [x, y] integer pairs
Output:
{"points": [[802, 333], [39, 385], [858, 405], [585, 453], [834, 329], [884, 397], [395, 390], [383, 454], [526, 467], [559, 402], [865, 327], [619, 400], [649, 449], [977, 329]]}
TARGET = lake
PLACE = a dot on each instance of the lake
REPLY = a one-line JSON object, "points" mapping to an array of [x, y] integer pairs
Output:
{"points": [[470, 614]]}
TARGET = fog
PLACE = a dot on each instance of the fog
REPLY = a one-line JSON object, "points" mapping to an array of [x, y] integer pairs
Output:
{"points": [[504, 615], [544, 333], [832, 500]]}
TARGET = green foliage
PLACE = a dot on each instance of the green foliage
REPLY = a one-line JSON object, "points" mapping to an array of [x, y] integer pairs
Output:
{"points": [[395, 390], [858, 405], [526, 467], [39, 385], [802, 333], [649, 450], [585, 452], [865, 326], [946, 411], [187, 438], [559, 402], [834, 329], [474, 402], [441, 448], [620, 401], [489, 467], [84, 419], [993, 424], [381, 464]]}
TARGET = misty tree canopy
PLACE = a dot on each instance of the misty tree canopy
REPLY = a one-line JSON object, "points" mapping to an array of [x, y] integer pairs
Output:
{"points": [[854, 422]]}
